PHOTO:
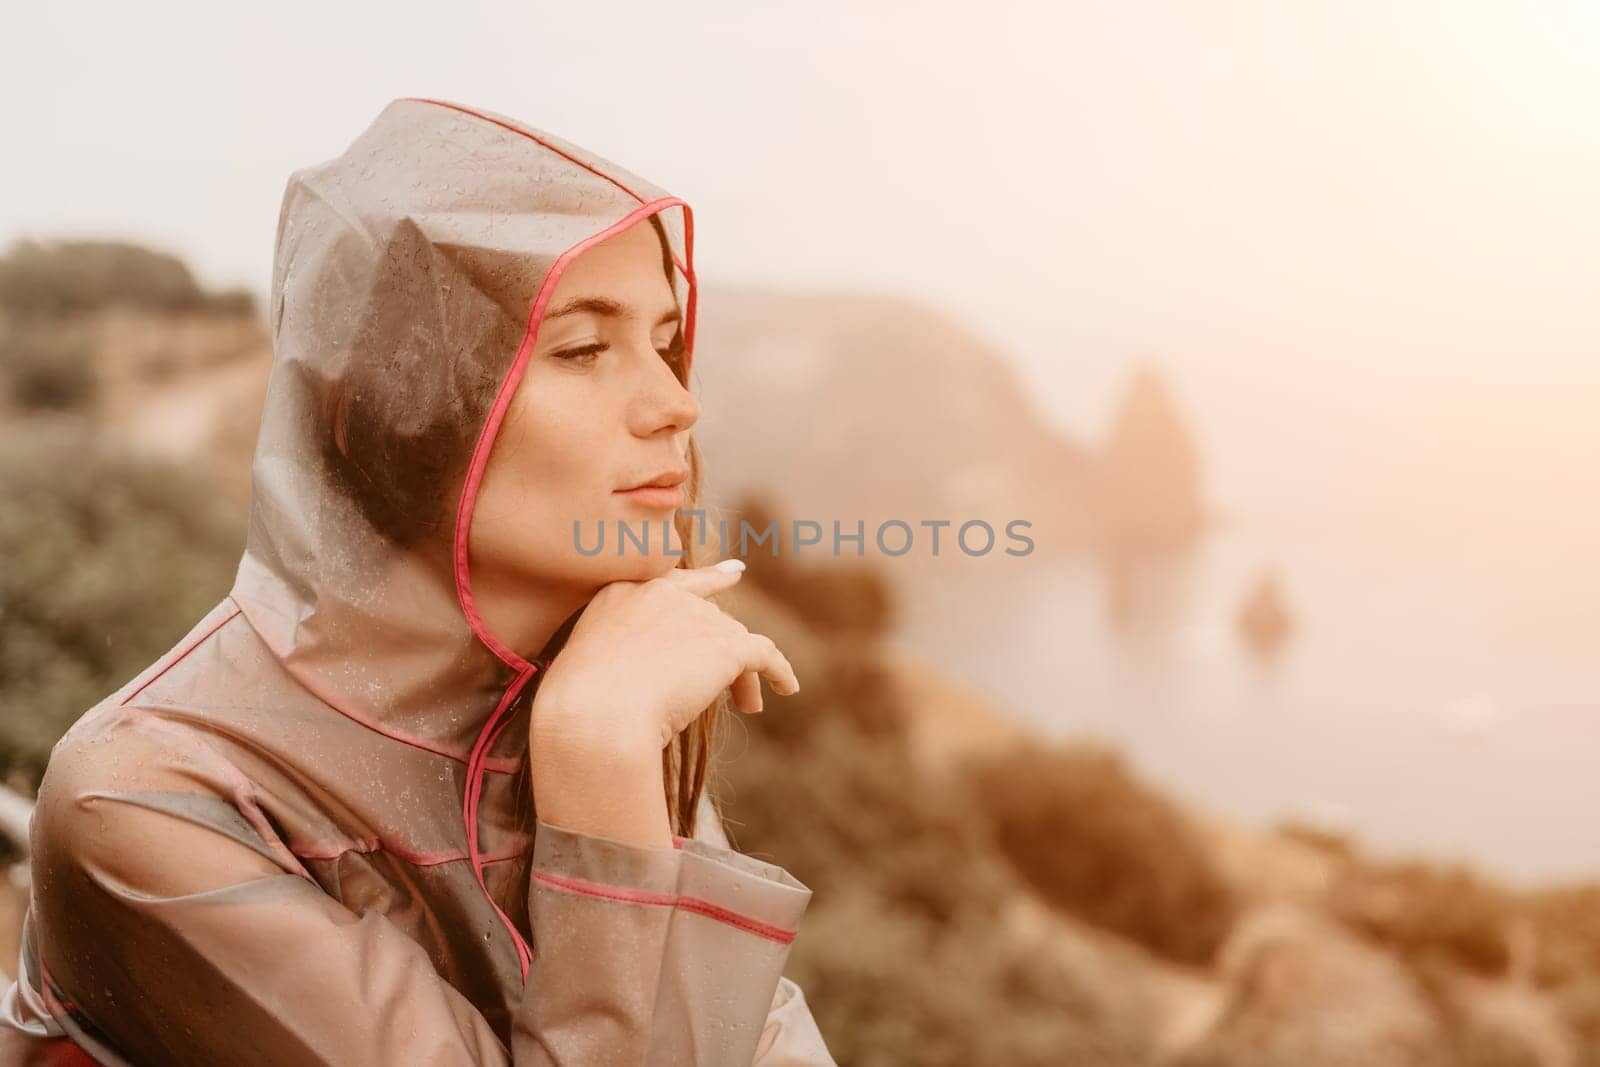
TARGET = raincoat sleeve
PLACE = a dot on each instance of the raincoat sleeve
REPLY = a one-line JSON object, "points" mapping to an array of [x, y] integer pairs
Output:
{"points": [[664, 956], [790, 1037], [176, 924]]}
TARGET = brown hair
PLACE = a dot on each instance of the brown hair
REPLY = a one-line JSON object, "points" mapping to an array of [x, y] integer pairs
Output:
{"points": [[397, 469]]}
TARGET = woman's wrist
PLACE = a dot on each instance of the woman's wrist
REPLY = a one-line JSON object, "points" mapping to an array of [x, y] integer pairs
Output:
{"points": [[596, 782], [579, 726]]}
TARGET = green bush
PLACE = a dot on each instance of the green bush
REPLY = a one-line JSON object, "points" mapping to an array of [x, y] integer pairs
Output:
{"points": [[108, 561], [1100, 845], [47, 366], [55, 278], [1566, 924], [889, 988], [1578, 1001], [905, 953], [1426, 913]]}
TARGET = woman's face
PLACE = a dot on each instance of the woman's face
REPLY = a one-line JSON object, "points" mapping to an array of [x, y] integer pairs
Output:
{"points": [[599, 410]]}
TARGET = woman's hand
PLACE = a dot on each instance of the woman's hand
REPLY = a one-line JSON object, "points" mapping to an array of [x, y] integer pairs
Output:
{"points": [[642, 662], [646, 658]]}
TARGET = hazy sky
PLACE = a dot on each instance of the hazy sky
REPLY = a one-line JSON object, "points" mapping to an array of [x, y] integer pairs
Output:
{"points": [[1249, 193], [1360, 237]]}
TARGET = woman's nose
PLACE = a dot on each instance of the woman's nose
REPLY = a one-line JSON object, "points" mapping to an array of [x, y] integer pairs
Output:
{"points": [[664, 401]]}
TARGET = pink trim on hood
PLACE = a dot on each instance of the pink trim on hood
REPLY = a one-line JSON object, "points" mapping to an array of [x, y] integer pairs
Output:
{"points": [[496, 722]]}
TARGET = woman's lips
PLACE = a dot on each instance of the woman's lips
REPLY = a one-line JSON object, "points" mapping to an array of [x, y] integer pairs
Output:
{"points": [[654, 496]]}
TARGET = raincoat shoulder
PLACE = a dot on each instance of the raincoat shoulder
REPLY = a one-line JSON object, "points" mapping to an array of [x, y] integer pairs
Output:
{"points": [[181, 914]]}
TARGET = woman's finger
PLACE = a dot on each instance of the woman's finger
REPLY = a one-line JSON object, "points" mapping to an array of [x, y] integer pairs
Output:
{"points": [[704, 581], [746, 691], [761, 655]]}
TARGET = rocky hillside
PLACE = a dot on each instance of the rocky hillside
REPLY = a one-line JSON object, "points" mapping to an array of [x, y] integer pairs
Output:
{"points": [[983, 898], [980, 897]]}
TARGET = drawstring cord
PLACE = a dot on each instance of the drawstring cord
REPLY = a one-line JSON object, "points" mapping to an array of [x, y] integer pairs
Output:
{"points": [[477, 770]]}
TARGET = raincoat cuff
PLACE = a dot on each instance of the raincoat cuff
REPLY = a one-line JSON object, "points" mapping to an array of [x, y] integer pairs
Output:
{"points": [[743, 892], [762, 898]]}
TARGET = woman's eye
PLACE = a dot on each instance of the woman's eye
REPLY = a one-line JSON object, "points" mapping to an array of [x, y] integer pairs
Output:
{"points": [[672, 353], [582, 353]]}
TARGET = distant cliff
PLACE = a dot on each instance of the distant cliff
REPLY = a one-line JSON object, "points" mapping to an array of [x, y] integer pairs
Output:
{"points": [[855, 406], [1151, 469], [849, 405], [846, 406]]}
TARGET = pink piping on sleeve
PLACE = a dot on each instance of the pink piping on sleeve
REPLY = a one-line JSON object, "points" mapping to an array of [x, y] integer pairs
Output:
{"points": [[666, 900]]}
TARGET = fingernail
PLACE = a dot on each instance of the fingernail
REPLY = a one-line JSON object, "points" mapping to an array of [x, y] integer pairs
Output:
{"points": [[731, 565]]}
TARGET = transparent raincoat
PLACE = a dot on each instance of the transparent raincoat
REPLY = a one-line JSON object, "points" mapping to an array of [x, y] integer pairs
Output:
{"points": [[297, 837]]}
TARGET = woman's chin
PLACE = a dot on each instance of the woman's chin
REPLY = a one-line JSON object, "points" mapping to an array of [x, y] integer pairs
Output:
{"points": [[639, 566]]}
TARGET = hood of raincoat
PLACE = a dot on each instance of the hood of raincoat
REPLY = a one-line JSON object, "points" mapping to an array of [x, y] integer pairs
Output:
{"points": [[308, 814], [410, 276]]}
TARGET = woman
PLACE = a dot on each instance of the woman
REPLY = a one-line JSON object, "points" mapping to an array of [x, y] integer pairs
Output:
{"points": [[429, 784]]}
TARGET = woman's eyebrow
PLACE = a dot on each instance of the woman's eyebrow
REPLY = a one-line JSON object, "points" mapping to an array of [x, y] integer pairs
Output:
{"points": [[601, 305]]}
